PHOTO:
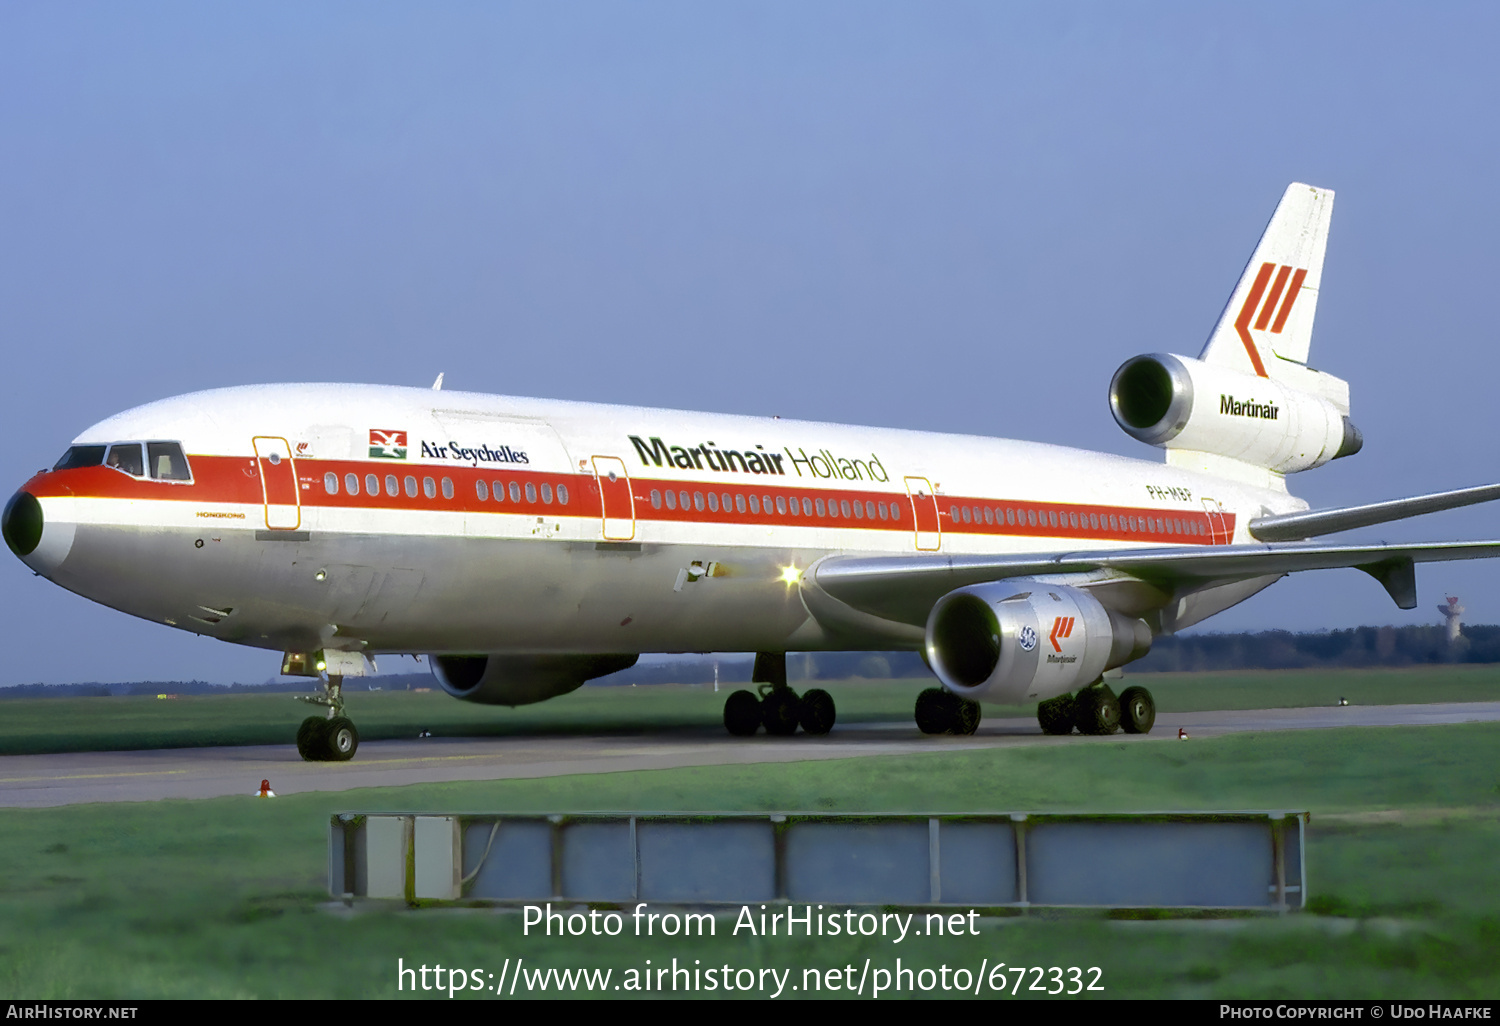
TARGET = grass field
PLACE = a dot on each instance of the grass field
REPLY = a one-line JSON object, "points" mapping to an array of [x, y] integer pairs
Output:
{"points": [[109, 724], [225, 898]]}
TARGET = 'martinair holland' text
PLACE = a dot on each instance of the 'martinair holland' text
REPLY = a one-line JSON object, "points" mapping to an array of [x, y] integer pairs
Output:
{"points": [[822, 463]]}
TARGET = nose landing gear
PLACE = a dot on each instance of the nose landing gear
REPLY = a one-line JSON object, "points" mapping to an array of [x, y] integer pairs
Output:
{"points": [[332, 737]]}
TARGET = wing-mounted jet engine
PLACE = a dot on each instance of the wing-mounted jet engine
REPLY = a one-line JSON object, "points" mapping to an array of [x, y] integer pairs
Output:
{"points": [[1020, 641], [521, 679]]}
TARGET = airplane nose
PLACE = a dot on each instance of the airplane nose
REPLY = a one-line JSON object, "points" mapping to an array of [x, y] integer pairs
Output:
{"points": [[22, 523]]}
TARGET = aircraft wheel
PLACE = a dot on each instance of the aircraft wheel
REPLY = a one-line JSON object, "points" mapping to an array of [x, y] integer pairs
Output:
{"points": [[341, 741], [742, 713], [934, 713], [1096, 710], [967, 716], [818, 713], [310, 735], [779, 711], [1056, 715], [1137, 711]]}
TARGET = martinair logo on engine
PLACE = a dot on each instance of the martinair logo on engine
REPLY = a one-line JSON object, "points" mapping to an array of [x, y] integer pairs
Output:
{"points": [[387, 445], [1062, 627]]}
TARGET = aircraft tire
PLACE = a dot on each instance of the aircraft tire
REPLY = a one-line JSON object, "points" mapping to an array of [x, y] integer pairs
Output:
{"points": [[742, 713], [1137, 711], [341, 741], [1056, 715], [310, 739], [966, 716], [1096, 710], [933, 714], [780, 711], [818, 712]]}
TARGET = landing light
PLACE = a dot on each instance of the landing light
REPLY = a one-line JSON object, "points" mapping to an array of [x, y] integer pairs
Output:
{"points": [[790, 574]]}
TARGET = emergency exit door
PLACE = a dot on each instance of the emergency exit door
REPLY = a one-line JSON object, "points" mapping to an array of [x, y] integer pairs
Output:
{"points": [[278, 483], [925, 512], [615, 497]]}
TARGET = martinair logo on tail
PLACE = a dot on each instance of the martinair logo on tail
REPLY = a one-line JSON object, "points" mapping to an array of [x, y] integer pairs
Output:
{"points": [[387, 445], [1280, 290], [1062, 627]]}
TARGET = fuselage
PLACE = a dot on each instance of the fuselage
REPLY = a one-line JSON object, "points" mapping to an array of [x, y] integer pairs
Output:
{"points": [[388, 519]]}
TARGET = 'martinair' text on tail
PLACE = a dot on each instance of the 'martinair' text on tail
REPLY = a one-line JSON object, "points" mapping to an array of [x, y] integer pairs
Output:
{"points": [[1249, 407]]}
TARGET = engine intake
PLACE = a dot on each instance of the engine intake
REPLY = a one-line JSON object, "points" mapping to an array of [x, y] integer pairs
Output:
{"points": [[1019, 641], [1177, 402], [521, 679]]}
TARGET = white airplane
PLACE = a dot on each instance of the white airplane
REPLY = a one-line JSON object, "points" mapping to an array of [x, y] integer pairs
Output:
{"points": [[527, 546]]}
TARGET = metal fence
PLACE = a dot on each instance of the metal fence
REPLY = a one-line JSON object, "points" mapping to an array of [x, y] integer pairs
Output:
{"points": [[1202, 860]]}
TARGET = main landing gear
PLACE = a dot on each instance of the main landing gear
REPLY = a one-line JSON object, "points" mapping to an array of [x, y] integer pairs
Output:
{"points": [[331, 737], [776, 706], [943, 712], [1096, 710]]}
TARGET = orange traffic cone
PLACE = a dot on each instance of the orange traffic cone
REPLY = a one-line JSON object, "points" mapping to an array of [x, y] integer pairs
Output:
{"points": [[265, 790]]}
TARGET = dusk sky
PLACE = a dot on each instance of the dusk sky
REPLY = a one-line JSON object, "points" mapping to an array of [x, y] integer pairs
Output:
{"points": [[944, 216]]}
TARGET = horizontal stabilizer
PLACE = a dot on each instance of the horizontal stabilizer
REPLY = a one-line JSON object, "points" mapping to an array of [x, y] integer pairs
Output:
{"points": [[1314, 522]]}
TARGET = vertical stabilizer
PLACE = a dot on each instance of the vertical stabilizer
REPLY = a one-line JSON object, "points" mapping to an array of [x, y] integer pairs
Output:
{"points": [[1268, 322]]}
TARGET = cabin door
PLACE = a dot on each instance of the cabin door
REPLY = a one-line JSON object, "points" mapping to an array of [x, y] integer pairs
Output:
{"points": [[925, 513], [278, 483], [616, 501]]}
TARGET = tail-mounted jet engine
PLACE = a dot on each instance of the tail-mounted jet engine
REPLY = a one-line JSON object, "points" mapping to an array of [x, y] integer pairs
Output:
{"points": [[1021, 641], [521, 679], [1287, 425]]}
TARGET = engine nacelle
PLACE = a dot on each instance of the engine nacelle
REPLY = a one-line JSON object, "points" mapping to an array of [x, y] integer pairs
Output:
{"points": [[1020, 641], [1177, 402], [521, 679]]}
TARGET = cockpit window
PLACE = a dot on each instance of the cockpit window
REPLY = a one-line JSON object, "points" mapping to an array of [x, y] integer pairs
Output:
{"points": [[126, 458], [81, 456], [167, 462]]}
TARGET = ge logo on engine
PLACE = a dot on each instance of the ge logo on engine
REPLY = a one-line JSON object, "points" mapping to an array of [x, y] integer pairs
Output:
{"points": [[1027, 638]]}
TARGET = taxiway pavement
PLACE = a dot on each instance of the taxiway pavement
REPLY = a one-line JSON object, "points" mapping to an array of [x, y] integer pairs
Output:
{"points": [[34, 781]]}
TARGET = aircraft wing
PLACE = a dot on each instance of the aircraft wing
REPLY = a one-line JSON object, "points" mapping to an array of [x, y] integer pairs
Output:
{"points": [[1314, 522], [904, 588]]}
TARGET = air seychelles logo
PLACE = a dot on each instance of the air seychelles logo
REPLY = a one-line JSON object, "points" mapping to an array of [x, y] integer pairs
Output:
{"points": [[387, 445]]}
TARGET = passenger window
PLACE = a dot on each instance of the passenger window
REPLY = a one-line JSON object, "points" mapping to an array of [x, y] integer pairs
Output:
{"points": [[792, 505], [447, 487], [331, 483], [429, 487], [562, 495], [167, 462], [411, 486], [880, 508], [498, 489], [726, 501], [372, 484], [822, 509], [546, 493], [656, 498], [671, 500], [81, 456], [481, 491], [966, 515], [392, 487], [807, 507], [739, 503], [530, 491], [351, 484], [683, 500], [754, 504], [765, 501], [126, 458], [698, 501], [515, 491], [895, 511], [781, 504], [713, 502]]}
